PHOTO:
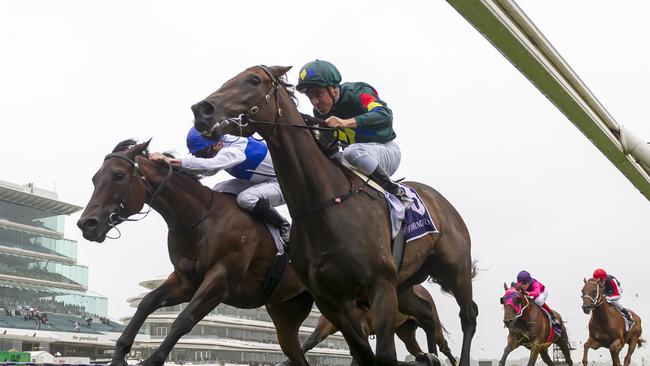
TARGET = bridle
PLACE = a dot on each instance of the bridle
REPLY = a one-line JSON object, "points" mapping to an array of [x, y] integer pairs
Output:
{"points": [[597, 300], [115, 218], [520, 313], [244, 119]]}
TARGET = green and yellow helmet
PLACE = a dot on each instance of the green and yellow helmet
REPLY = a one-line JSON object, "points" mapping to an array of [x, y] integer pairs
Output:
{"points": [[318, 73]]}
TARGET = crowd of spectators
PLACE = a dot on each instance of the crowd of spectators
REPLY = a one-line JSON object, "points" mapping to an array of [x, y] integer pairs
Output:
{"points": [[15, 307]]}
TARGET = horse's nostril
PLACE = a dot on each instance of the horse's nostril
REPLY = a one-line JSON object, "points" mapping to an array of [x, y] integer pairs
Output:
{"points": [[203, 110], [206, 109], [88, 224]]}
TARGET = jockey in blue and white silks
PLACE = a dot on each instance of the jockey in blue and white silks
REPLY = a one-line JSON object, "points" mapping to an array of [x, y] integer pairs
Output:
{"points": [[246, 159]]}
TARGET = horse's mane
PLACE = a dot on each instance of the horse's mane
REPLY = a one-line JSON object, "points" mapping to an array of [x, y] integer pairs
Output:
{"points": [[124, 145], [129, 143], [290, 89]]}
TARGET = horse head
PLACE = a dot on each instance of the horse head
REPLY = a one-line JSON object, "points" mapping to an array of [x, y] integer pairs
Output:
{"points": [[251, 95], [593, 293], [514, 303], [119, 191]]}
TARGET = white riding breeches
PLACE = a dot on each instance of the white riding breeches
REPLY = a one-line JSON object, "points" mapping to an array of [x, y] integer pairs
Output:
{"points": [[366, 156], [541, 299], [249, 194], [616, 301]]}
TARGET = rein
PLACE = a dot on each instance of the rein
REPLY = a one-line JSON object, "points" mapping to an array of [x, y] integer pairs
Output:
{"points": [[521, 313], [114, 218], [244, 119]]}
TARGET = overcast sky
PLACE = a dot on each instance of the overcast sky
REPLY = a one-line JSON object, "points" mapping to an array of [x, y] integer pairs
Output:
{"points": [[78, 77]]}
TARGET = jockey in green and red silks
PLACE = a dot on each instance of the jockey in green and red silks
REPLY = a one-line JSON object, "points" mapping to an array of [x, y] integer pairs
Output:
{"points": [[364, 122], [537, 291]]}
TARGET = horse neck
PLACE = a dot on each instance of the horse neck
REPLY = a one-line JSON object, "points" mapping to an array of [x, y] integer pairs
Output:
{"points": [[531, 317], [601, 312], [306, 175], [181, 201]]}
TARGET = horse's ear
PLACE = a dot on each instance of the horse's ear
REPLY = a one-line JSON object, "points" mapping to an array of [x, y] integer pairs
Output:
{"points": [[279, 71], [505, 287], [139, 148], [584, 280]]}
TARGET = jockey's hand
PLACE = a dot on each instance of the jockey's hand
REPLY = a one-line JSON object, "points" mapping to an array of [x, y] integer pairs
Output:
{"points": [[158, 157], [338, 122]]}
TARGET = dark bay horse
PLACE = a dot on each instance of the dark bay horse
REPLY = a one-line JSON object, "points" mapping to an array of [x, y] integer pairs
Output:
{"points": [[341, 237], [219, 252], [528, 326], [607, 325], [405, 328]]}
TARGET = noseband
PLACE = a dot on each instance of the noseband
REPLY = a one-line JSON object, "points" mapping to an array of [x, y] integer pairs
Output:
{"points": [[245, 118], [520, 314]]}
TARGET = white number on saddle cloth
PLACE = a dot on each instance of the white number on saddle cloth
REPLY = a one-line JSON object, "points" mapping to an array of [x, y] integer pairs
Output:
{"points": [[417, 204]]}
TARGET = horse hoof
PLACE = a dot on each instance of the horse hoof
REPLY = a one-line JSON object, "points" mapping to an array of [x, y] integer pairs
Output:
{"points": [[427, 359]]}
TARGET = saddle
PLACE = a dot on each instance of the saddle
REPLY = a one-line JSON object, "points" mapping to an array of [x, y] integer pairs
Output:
{"points": [[555, 331]]}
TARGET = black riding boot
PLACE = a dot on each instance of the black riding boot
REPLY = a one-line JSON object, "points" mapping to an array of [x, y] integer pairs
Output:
{"points": [[269, 214], [628, 316], [380, 176]]}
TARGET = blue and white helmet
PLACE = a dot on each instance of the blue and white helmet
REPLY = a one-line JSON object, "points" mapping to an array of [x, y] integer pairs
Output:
{"points": [[196, 142]]}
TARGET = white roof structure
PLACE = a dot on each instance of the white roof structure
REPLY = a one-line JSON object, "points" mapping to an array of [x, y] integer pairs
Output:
{"points": [[508, 28], [36, 198]]}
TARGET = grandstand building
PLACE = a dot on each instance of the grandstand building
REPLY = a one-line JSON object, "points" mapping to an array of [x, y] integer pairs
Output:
{"points": [[230, 336], [44, 298]]}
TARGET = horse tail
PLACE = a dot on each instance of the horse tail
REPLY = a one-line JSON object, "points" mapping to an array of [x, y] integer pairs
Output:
{"points": [[444, 286], [475, 269], [444, 330]]}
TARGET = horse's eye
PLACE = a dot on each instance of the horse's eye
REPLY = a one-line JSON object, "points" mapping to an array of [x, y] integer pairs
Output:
{"points": [[118, 175], [254, 80]]}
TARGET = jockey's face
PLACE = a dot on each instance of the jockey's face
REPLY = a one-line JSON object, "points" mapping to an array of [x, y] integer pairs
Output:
{"points": [[322, 98], [525, 285]]}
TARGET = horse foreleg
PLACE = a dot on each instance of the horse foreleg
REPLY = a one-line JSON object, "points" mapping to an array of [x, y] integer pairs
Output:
{"points": [[615, 350], [287, 318], [406, 332], [383, 302], [546, 358], [590, 343], [510, 346], [173, 291], [565, 348], [460, 283], [534, 352], [420, 309], [344, 319], [210, 293], [324, 328], [631, 346]]}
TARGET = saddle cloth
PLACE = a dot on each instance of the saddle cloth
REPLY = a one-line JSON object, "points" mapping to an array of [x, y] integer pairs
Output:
{"points": [[553, 332], [416, 221], [628, 325]]}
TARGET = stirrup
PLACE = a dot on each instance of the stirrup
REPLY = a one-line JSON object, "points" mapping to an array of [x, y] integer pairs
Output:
{"points": [[407, 201]]}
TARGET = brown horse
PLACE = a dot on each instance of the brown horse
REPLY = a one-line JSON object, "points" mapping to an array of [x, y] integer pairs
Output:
{"points": [[220, 253], [529, 326], [405, 328], [607, 325], [341, 236]]}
